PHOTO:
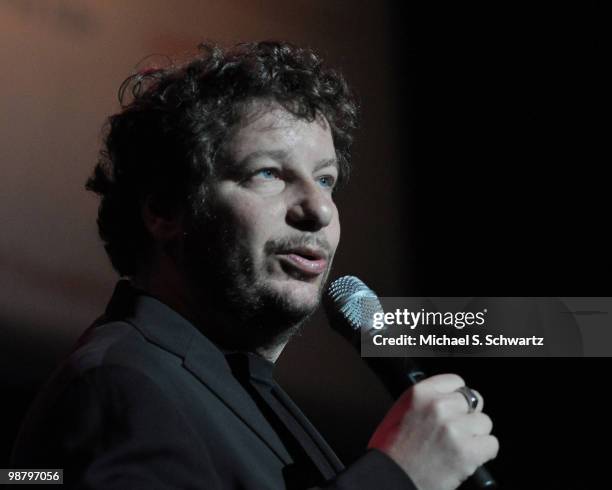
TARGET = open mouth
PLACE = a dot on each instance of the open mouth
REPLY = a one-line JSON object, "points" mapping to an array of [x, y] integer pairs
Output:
{"points": [[309, 262]]}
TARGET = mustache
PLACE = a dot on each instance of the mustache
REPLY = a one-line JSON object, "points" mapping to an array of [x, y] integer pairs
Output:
{"points": [[288, 243]]}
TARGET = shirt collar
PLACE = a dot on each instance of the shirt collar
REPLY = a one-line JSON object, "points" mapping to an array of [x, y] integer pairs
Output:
{"points": [[248, 365]]}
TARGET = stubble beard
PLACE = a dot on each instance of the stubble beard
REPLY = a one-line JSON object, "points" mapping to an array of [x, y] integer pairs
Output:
{"points": [[240, 309]]}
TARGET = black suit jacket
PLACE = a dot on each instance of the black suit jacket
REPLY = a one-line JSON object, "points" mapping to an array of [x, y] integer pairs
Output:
{"points": [[147, 401]]}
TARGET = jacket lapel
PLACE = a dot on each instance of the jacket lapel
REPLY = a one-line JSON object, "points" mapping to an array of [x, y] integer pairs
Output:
{"points": [[325, 449], [162, 326], [215, 376]]}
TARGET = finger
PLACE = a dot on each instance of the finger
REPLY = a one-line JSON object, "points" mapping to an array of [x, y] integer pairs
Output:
{"points": [[466, 404], [479, 450], [474, 424], [480, 406], [449, 406], [487, 447], [442, 383]]}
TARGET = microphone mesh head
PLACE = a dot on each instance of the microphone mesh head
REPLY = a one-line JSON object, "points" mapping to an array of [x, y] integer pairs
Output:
{"points": [[356, 302]]}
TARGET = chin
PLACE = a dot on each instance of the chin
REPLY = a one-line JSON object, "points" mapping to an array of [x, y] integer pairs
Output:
{"points": [[301, 295]]}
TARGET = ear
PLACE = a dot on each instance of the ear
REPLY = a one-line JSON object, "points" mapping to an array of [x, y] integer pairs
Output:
{"points": [[164, 223]]}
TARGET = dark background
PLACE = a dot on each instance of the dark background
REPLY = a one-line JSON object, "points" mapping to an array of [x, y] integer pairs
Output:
{"points": [[507, 129], [478, 172]]}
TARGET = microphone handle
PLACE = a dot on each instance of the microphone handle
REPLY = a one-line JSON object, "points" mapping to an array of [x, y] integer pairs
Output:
{"points": [[399, 373]]}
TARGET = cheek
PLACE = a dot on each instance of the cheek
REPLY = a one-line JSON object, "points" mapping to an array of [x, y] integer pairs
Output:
{"points": [[254, 223], [334, 229]]}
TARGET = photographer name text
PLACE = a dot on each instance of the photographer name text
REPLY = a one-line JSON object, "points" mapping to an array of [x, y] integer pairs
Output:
{"points": [[465, 340]]}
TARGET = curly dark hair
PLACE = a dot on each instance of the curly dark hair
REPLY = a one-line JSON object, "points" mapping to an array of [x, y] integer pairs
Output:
{"points": [[166, 140]]}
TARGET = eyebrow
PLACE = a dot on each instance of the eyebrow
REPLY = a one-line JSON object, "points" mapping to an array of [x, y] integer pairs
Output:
{"points": [[328, 162], [283, 156]]}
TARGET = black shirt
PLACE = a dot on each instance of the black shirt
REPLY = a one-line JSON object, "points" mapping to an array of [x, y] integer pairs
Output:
{"points": [[314, 462]]}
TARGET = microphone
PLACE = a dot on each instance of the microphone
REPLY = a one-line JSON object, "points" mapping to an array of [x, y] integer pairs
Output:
{"points": [[350, 306]]}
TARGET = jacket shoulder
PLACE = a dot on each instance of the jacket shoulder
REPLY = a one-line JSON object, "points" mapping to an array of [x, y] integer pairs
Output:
{"points": [[116, 344]]}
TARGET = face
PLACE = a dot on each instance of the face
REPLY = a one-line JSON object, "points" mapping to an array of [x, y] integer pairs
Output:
{"points": [[265, 247]]}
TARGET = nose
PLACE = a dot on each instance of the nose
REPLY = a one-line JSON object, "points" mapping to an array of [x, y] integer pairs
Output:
{"points": [[311, 208]]}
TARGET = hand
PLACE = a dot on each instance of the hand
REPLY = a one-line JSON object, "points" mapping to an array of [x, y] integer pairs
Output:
{"points": [[429, 433]]}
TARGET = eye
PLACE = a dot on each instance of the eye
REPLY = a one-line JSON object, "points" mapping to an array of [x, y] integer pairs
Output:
{"points": [[267, 173], [265, 180], [327, 181]]}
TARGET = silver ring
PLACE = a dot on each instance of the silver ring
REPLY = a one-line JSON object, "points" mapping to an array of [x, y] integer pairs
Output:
{"points": [[470, 398]]}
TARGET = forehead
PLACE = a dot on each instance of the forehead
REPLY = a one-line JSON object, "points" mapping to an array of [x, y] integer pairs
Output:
{"points": [[268, 126]]}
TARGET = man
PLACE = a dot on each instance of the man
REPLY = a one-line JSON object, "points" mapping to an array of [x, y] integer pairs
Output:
{"points": [[217, 186]]}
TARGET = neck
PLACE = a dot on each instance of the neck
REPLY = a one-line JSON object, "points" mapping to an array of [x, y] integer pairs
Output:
{"points": [[271, 353], [162, 282]]}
